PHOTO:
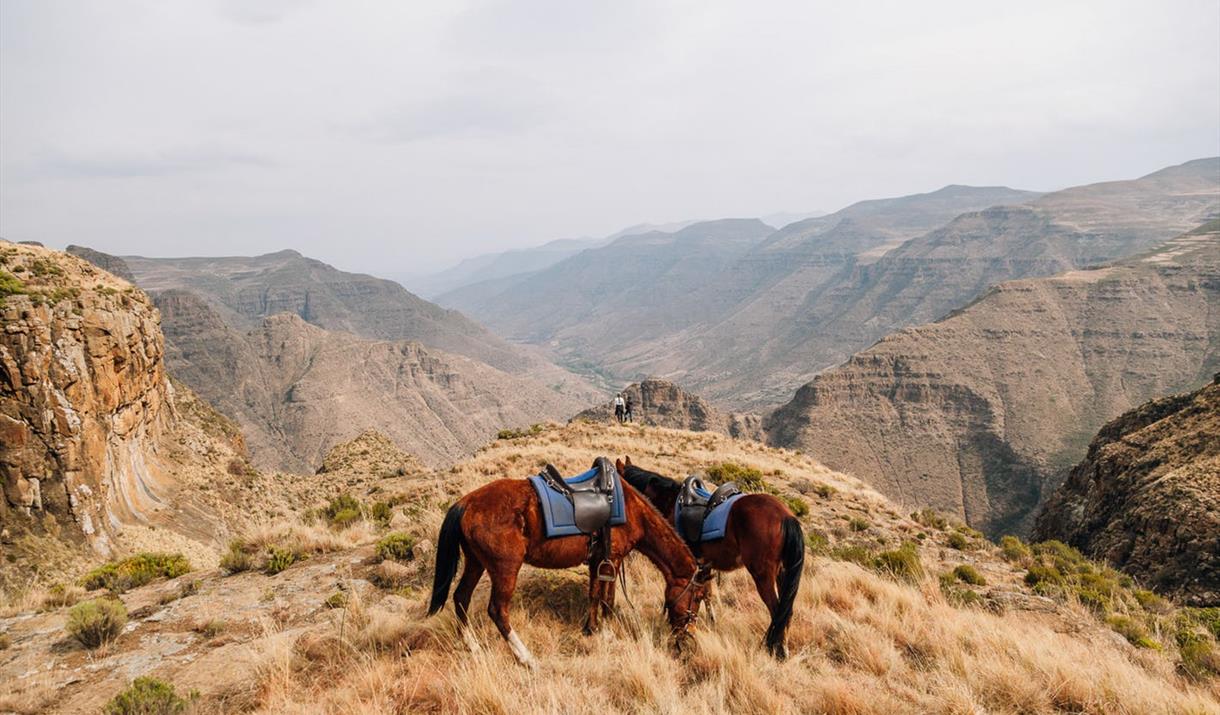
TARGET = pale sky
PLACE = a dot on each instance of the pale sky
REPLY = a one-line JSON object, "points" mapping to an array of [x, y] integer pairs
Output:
{"points": [[394, 137]]}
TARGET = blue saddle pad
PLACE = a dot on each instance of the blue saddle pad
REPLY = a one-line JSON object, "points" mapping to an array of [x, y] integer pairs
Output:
{"points": [[557, 513], [716, 520]]}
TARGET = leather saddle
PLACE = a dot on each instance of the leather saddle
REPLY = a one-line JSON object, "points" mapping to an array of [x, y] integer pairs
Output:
{"points": [[592, 499], [695, 502]]}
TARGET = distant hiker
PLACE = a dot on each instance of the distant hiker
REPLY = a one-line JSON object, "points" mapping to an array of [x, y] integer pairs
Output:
{"points": [[620, 407], [627, 408]]}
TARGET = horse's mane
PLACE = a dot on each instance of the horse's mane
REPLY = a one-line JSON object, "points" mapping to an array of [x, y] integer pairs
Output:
{"points": [[642, 479]]}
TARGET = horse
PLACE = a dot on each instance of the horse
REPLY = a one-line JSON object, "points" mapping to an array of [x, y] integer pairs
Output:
{"points": [[499, 526], [761, 534]]}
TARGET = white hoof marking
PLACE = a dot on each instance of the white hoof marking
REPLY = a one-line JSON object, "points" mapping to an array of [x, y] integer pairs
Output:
{"points": [[523, 654]]}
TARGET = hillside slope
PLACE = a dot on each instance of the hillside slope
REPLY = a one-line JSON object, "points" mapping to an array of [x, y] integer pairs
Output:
{"points": [[982, 413], [1146, 498], [297, 390], [339, 630]]}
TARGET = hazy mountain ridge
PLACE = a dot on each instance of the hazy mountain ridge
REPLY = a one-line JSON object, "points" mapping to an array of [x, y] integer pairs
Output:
{"points": [[981, 414]]}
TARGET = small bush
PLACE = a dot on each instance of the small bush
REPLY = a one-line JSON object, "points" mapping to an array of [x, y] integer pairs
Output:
{"points": [[380, 512], [968, 574], [148, 696], [10, 285], [855, 554], [96, 622], [955, 594], [397, 547], [5, 641], [60, 595], [278, 559], [901, 563], [929, 518], [748, 479], [1038, 574], [1134, 631], [858, 524], [958, 540], [1013, 549], [824, 490], [120, 576], [342, 511], [211, 629], [338, 599], [817, 542], [797, 505], [237, 558], [519, 433]]}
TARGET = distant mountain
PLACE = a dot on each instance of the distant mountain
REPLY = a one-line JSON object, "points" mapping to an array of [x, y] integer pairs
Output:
{"points": [[981, 413], [245, 290], [1146, 498], [298, 390], [638, 287], [815, 292], [442, 385]]}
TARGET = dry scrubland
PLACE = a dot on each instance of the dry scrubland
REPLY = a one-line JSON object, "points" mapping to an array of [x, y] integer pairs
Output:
{"points": [[318, 622]]}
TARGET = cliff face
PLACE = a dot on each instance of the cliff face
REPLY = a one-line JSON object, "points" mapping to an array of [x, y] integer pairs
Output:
{"points": [[1146, 498], [982, 413], [662, 403], [83, 397]]}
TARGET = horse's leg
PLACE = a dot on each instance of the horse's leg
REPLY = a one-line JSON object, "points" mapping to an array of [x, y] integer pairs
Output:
{"points": [[597, 590], [764, 575], [503, 583], [461, 598]]}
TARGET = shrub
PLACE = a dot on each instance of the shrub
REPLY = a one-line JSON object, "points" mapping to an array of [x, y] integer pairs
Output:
{"points": [[824, 490], [338, 599], [901, 563], [5, 641], [96, 622], [1013, 549], [278, 559], [955, 594], [797, 505], [519, 433], [236, 559], [60, 595], [968, 574], [1134, 631], [397, 546], [929, 518], [380, 512], [342, 511], [211, 629], [858, 524], [748, 479], [958, 540], [1038, 574], [148, 696], [10, 285], [855, 554], [818, 543], [135, 571]]}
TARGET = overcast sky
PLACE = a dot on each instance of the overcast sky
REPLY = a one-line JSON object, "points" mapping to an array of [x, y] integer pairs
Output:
{"points": [[395, 137]]}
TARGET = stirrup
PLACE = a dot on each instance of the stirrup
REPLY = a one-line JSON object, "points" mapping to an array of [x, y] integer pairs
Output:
{"points": [[601, 571]]}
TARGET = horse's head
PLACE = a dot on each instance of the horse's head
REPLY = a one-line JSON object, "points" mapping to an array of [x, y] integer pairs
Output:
{"points": [[660, 490], [682, 601]]}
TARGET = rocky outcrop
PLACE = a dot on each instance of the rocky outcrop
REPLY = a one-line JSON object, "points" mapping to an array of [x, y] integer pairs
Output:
{"points": [[982, 414], [84, 398], [662, 403], [1146, 498]]}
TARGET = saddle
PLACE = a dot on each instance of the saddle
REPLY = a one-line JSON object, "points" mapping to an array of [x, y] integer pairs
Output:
{"points": [[592, 499], [696, 502]]}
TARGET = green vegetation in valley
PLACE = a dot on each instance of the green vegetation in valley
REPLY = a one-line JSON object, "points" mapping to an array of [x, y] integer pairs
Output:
{"points": [[135, 571]]}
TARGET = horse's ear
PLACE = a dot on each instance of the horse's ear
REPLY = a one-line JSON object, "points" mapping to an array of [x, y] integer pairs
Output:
{"points": [[622, 469], [628, 460]]}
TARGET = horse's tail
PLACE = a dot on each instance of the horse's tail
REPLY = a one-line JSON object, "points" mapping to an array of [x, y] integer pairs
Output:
{"points": [[448, 551], [792, 552]]}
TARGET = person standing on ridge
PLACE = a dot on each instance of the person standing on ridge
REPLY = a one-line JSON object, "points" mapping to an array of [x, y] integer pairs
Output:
{"points": [[620, 406], [627, 408]]}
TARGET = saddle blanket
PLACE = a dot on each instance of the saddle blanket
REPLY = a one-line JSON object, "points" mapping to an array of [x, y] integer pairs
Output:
{"points": [[715, 521], [557, 513]]}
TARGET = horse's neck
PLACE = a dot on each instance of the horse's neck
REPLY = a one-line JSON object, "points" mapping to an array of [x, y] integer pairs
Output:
{"points": [[661, 545], [665, 500]]}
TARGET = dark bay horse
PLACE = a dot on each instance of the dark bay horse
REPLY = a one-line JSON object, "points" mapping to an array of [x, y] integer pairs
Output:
{"points": [[498, 527], [761, 534]]}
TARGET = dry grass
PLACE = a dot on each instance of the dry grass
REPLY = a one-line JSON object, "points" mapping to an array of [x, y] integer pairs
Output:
{"points": [[861, 642]]}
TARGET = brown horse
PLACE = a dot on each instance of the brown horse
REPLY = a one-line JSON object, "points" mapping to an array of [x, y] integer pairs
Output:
{"points": [[499, 526], [761, 534]]}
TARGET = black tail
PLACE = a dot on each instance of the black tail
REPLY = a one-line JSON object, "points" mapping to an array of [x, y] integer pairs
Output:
{"points": [[789, 582], [448, 551]]}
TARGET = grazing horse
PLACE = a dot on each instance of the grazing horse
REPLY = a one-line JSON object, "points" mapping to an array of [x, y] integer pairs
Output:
{"points": [[499, 526], [761, 534]]}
